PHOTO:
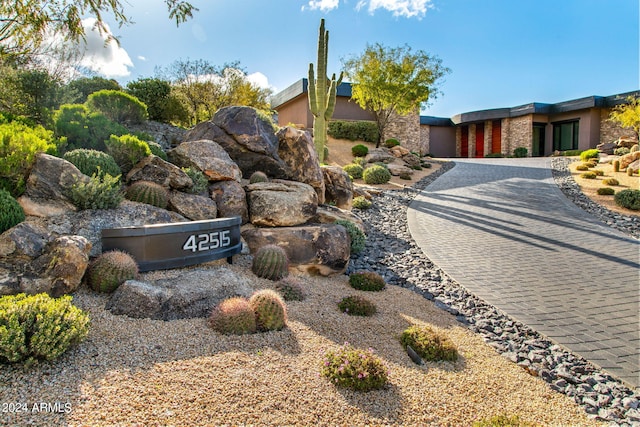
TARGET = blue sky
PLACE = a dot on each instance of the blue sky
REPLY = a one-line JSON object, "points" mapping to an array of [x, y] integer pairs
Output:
{"points": [[501, 53]]}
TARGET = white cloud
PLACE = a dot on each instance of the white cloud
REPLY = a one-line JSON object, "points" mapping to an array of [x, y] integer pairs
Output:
{"points": [[323, 5], [142, 58], [109, 60], [406, 8], [259, 80]]}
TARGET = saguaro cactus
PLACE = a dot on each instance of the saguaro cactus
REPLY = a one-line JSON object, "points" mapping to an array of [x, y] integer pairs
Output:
{"points": [[322, 93]]}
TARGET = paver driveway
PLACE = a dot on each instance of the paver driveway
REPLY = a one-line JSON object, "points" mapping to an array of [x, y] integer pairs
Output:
{"points": [[503, 230]]}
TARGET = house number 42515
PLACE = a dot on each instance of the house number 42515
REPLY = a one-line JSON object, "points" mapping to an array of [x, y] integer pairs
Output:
{"points": [[207, 241]]}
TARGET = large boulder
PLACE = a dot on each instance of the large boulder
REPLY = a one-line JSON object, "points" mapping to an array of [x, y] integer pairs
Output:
{"points": [[399, 168], [314, 249], [249, 139], [180, 294], [327, 214], [627, 159], [230, 199], [607, 147], [208, 157], [192, 206], [379, 155], [296, 149], [626, 141], [634, 166], [27, 239], [338, 187], [153, 168], [281, 203], [48, 185]]}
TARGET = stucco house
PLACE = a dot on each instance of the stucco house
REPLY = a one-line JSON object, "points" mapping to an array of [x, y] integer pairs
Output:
{"points": [[541, 128]]}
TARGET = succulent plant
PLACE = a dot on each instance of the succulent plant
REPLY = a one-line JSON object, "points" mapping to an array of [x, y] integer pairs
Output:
{"points": [[11, 213], [91, 162], [233, 316], [360, 202], [148, 192], [258, 177], [270, 262], [355, 305], [270, 310], [376, 174], [110, 270], [353, 170], [290, 288], [358, 238], [610, 181], [606, 191], [616, 165], [429, 344], [367, 281]]}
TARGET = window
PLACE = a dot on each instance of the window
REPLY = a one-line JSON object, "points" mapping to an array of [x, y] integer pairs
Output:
{"points": [[565, 135]]}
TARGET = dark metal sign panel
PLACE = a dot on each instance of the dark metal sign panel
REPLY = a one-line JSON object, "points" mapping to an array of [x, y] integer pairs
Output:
{"points": [[171, 245]]}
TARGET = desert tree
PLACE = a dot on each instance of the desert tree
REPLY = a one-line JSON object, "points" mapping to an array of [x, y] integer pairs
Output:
{"points": [[627, 115]]}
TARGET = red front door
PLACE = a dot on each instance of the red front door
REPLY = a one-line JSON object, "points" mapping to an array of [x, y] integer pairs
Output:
{"points": [[496, 137], [480, 140]]}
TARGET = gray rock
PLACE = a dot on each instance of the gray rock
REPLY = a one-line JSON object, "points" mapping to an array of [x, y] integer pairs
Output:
{"points": [[230, 199], [208, 157], [154, 169], [281, 203], [192, 206], [326, 214], [607, 147], [399, 168], [297, 151], [338, 187], [185, 294], [27, 238], [381, 154]]}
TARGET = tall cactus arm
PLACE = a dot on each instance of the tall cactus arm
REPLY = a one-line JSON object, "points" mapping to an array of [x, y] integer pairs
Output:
{"points": [[331, 101], [313, 99]]}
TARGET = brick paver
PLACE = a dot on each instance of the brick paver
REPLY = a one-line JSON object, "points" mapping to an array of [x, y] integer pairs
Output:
{"points": [[503, 230]]}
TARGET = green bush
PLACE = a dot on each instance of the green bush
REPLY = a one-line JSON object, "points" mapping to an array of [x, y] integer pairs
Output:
{"points": [[154, 93], [391, 142], [429, 344], [503, 421], [588, 175], [200, 181], [11, 213], [610, 181], [520, 152], [359, 160], [270, 310], [360, 202], [621, 151], [629, 199], [356, 305], [77, 127], [571, 153], [99, 193], [367, 281], [606, 191], [599, 172], [290, 288], [376, 174], [148, 192], [354, 368], [18, 147], [494, 155], [111, 269], [358, 238], [127, 150], [118, 106], [359, 150], [582, 167], [156, 149], [270, 262], [354, 170], [38, 327], [589, 154], [233, 316], [92, 162], [354, 130]]}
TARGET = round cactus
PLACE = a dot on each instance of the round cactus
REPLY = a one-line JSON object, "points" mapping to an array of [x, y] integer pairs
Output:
{"points": [[290, 288], [270, 310], [258, 177], [376, 174], [270, 262], [148, 192], [110, 270], [233, 316], [367, 281]]}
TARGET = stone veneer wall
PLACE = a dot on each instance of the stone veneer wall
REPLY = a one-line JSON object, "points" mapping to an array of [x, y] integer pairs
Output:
{"points": [[425, 140], [405, 129], [517, 132], [458, 140], [610, 131]]}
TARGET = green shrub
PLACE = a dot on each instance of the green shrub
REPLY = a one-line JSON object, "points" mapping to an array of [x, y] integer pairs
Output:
{"points": [[358, 238], [571, 153], [270, 262], [111, 269], [503, 421], [391, 142], [354, 130], [582, 167], [290, 288], [233, 316], [118, 106], [154, 93], [599, 172], [520, 152], [200, 181], [621, 151], [360, 161], [77, 127], [376, 174], [616, 165], [326, 152], [148, 192], [156, 149], [589, 154], [367, 281], [91, 162], [11, 213], [359, 150], [429, 344], [629, 199], [270, 310], [258, 176], [354, 170], [38, 327], [606, 191], [99, 193], [360, 202], [610, 181], [588, 175], [355, 369], [127, 150], [494, 155], [18, 147], [356, 305]]}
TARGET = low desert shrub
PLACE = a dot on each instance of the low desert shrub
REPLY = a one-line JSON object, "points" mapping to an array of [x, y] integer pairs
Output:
{"points": [[156, 149], [98, 193], [270, 310], [582, 167], [629, 199], [258, 176], [391, 142], [199, 179], [571, 153], [290, 288], [353, 130], [148, 192], [91, 162], [503, 421], [38, 327], [361, 202], [118, 106], [358, 238], [111, 269], [270, 262], [77, 127], [11, 213], [360, 161], [376, 174], [520, 152], [598, 172], [494, 155], [606, 191], [610, 181], [233, 316], [127, 150], [429, 344], [359, 150], [354, 368], [367, 281], [621, 151], [354, 170], [589, 154], [356, 305], [588, 175]]}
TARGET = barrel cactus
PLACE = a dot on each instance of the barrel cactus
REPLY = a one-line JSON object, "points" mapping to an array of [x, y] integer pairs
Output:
{"points": [[270, 262], [258, 177], [91, 162], [290, 288], [11, 213], [148, 192], [270, 310], [110, 270], [233, 316]]}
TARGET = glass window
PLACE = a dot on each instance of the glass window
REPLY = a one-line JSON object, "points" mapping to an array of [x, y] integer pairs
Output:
{"points": [[565, 135]]}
